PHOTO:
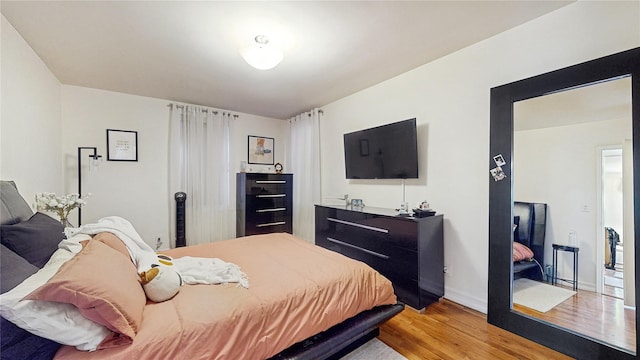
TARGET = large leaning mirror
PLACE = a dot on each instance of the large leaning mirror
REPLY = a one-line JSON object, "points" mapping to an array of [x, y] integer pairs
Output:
{"points": [[563, 222], [569, 151]]}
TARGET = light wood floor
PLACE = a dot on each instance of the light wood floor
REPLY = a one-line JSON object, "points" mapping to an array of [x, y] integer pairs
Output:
{"points": [[447, 330], [598, 316]]}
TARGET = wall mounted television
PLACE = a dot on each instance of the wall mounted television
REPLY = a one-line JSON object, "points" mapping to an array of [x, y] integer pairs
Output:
{"points": [[382, 152]]}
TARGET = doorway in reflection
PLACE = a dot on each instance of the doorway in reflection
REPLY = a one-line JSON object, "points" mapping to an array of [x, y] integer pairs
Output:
{"points": [[612, 265], [558, 161]]}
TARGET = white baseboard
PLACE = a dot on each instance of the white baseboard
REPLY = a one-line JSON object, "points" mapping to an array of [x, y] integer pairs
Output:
{"points": [[466, 300]]}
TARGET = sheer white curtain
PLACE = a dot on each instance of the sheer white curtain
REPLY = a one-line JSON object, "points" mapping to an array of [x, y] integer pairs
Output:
{"points": [[304, 161], [199, 166]]}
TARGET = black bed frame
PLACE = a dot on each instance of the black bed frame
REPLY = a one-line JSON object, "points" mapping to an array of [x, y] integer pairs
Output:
{"points": [[343, 338]]}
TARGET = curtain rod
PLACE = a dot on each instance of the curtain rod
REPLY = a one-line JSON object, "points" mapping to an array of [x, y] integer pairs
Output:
{"points": [[204, 109], [320, 111]]}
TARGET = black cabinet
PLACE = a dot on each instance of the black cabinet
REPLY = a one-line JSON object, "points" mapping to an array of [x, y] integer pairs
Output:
{"points": [[263, 203], [408, 251]]}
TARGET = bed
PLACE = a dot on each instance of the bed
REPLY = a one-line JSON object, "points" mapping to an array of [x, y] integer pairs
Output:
{"points": [[297, 305]]}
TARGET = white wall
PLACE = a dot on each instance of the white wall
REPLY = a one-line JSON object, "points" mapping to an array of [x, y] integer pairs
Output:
{"points": [[450, 99], [43, 123], [30, 123], [558, 166], [246, 125], [137, 191]]}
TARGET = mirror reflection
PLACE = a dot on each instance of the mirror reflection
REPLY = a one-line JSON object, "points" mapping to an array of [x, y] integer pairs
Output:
{"points": [[572, 176]]}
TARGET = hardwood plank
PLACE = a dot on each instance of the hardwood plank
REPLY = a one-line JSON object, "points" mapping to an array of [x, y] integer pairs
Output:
{"points": [[447, 330], [598, 316]]}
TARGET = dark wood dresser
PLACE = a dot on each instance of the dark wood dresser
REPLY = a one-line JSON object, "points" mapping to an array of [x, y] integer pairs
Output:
{"points": [[264, 203], [408, 251]]}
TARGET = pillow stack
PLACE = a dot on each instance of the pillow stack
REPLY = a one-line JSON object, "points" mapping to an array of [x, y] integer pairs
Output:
{"points": [[26, 246], [90, 300]]}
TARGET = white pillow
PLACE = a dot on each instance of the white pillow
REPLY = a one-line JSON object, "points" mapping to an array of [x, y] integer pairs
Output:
{"points": [[59, 322]]}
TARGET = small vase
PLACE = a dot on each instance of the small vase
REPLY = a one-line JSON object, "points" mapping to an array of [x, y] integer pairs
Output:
{"points": [[65, 222]]}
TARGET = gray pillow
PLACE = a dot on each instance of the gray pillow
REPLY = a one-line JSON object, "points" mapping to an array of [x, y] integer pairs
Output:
{"points": [[35, 239], [13, 269], [13, 208]]}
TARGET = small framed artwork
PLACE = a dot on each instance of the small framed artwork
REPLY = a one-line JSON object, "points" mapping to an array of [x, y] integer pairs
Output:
{"points": [[122, 145], [260, 150]]}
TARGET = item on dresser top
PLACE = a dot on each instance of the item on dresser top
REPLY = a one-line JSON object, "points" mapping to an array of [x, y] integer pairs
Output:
{"points": [[404, 207], [420, 213], [357, 202]]}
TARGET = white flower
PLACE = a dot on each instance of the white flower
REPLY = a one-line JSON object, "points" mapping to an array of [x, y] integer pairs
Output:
{"points": [[61, 205]]}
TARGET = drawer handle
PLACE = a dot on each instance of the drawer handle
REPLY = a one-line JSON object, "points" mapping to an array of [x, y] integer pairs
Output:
{"points": [[271, 196], [272, 224], [359, 225], [270, 210], [271, 181], [358, 248]]}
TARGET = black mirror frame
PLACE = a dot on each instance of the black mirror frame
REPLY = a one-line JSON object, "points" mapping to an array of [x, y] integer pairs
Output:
{"points": [[500, 312]]}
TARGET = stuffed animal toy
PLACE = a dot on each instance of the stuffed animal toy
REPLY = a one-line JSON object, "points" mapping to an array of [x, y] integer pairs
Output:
{"points": [[161, 282]]}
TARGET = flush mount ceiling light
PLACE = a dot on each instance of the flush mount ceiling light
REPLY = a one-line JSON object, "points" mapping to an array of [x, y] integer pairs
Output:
{"points": [[261, 55]]}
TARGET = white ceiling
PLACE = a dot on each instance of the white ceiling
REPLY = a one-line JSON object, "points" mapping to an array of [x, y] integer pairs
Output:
{"points": [[609, 100], [188, 51]]}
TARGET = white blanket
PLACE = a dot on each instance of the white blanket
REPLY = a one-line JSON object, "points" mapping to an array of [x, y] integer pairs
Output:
{"points": [[193, 270]]}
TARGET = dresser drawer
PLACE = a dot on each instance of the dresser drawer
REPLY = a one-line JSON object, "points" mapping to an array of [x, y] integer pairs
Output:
{"points": [[268, 184], [266, 228], [265, 217], [274, 187], [397, 264], [377, 244], [365, 234], [367, 230], [267, 201]]}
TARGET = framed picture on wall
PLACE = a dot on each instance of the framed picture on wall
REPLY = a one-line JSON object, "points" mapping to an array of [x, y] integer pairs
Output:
{"points": [[260, 150], [122, 145]]}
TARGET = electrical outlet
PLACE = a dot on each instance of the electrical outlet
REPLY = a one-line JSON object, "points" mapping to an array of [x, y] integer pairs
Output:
{"points": [[159, 242]]}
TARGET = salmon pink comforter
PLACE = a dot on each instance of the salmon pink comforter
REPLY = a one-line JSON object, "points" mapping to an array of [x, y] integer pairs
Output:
{"points": [[296, 290]]}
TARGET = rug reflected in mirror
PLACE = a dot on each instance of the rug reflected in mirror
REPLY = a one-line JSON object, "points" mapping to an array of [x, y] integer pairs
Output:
{"points": [[374, 349], [539, 296]]}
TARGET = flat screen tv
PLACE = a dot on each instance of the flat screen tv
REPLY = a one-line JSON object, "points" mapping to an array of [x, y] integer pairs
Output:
{"points": [[383, 152]]}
